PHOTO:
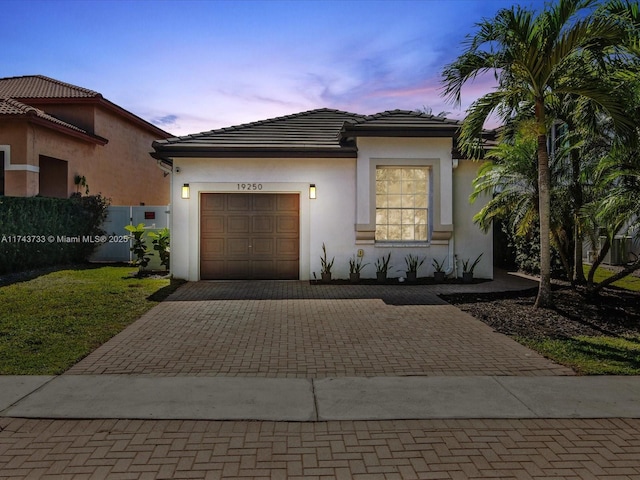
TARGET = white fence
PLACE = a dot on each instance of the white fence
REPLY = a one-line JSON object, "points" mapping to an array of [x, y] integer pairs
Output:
{"points": [[153, 217]]}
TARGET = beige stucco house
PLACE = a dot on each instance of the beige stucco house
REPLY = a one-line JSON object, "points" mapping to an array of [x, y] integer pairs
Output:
{"points": [[259, 200], [51, 132]]}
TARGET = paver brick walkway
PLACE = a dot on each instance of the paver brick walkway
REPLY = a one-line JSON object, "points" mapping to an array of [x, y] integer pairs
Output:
{"points": [[427, 449]]}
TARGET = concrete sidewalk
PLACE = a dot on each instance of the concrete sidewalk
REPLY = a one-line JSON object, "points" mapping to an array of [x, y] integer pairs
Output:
{"points": [[305, 400]]}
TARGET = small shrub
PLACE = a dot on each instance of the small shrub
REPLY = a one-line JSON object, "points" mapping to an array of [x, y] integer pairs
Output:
{"points": [[57, 230], [161, 241], [139, 247], [382, 264], [325, 264]]}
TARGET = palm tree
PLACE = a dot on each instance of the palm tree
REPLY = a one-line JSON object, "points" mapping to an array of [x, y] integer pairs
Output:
{"points": [[533, 57], [619, 209], [509, 177]]}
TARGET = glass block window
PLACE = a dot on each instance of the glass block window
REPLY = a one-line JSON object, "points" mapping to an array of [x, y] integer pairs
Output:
{"points": [[402, 203]]}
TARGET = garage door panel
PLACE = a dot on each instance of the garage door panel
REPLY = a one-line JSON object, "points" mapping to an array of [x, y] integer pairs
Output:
{"points": [[287, 247], [287, 269], [288, 203], [287, 225], [264, 247], [212, 248], [212, 203], [265, 202], [249, 235], [238, 225], [263, 269], [238, 246], [212, 224], [239, 202], [214, 268], [237, 269], [262, 224]]}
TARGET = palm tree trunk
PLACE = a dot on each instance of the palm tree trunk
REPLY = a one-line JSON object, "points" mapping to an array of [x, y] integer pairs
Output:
{"points": [[544, 299], [578, 271]]}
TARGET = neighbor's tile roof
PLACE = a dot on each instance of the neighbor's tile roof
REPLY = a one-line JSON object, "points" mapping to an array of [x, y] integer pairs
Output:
{"points": [[39, 86], [40, 90], [11, 107]]}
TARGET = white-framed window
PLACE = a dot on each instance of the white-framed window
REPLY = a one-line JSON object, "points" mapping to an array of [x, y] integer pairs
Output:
{"points": [[402, 204]]}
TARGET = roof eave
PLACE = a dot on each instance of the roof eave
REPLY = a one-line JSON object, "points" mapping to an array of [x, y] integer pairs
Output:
{"points": [[428, 132], [43, 122], [99, 100], [164, 152]]}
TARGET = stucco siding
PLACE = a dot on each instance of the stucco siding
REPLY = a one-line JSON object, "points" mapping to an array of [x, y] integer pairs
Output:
{"points": [[470, 241], [345, 192], [82, 116], [329, 218], [121, 170], [15, 141], [434, 153], [123, 167]]}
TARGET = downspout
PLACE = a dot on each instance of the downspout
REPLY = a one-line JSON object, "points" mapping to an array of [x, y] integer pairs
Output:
{"points": [[163, 166], [453, 258]]}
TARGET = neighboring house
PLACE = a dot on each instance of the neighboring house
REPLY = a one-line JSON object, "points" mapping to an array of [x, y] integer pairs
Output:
{"points": [[52, 132], [263, 197]]}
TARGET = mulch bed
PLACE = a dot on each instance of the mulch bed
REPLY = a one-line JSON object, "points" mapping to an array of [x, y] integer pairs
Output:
{"points": [[614, 313]]}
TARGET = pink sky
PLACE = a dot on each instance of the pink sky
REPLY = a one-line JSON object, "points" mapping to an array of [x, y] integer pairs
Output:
{"points": [[193, 66]]}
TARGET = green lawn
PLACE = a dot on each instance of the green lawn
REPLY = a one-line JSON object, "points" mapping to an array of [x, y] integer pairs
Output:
{"points": [[602, 355], [629, 282], [49, 323], [592, 355]]}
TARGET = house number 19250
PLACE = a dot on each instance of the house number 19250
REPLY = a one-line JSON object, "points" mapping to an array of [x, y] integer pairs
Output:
{"points": [[249, 186]]}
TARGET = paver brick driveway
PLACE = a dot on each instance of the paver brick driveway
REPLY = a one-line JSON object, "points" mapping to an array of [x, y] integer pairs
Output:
{"points": [[294, 329]]}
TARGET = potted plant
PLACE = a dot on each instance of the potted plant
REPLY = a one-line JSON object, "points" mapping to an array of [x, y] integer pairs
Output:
{"points": [[413, 263], [382, 267], [326, 265], [355, 267], [467, 269], [438, 272]]}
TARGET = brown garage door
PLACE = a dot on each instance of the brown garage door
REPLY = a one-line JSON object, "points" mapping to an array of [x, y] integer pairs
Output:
{"points": [[249, 236]]}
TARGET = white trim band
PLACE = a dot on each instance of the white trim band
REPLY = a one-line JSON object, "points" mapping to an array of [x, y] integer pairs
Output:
{"points": [[20, 167]]}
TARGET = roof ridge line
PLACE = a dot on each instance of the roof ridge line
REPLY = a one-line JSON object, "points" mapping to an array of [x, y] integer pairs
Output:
{"points": [[267, 121], [413, 113], [22, 106], [65, 84]]}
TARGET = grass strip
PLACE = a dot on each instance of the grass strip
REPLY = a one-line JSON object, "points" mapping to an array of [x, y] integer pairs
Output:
{"points": [[630, 282], [592, 355], [51, 322]]}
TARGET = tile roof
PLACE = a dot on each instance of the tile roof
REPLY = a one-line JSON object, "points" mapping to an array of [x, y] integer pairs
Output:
{"points": [[314, 127], [39, 86], [314, 132], [40, 90], [12, 107], [400, 123]]}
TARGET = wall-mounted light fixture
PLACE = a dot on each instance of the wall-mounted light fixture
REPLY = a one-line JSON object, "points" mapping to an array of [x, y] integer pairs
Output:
{"points": [[186, 192], [312, 190]]}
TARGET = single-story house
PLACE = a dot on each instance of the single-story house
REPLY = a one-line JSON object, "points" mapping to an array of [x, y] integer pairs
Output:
{"points": [[52, 133], [258, 201]]}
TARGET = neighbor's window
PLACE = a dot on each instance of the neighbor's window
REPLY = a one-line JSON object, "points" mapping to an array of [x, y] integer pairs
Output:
{"points": [[402, 203]]}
